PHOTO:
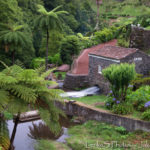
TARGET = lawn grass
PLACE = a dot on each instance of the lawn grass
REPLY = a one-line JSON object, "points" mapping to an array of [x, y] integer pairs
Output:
{"points": [[91, 100], [95, 136], [50, 145]]}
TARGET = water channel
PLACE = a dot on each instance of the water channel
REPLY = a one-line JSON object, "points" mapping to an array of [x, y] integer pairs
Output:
{"points": [[28, 133]]}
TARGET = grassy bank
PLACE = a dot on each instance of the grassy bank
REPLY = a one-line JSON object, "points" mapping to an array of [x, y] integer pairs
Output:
{"points": [[91, 100], [94, 135]]}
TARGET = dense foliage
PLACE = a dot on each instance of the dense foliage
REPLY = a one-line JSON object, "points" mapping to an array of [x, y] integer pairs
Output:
{"points": [[20, 88], [70, 47], [120, 77]]}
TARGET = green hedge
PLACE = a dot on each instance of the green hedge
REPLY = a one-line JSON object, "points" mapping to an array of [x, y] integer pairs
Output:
{"points": [[106, 34]]}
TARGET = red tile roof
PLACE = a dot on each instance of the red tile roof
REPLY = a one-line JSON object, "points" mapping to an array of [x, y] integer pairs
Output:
{"points": [[81, 64], [114, 52]]}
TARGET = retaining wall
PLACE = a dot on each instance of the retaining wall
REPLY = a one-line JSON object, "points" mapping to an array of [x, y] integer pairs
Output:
{"points": [[73, 81], [91, 113]]}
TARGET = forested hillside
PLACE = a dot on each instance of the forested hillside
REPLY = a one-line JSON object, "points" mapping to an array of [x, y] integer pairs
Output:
{"points": [[25, 41]]}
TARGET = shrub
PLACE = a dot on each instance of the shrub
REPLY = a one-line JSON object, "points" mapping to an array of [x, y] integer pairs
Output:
{"points": [[122, 109], [120, 77], [69, 48], [121, 130], [109, 102], [37, 62], [123, 43], [140, 81], [146, 115], [104, 35], [55, 59], [140, 97]]}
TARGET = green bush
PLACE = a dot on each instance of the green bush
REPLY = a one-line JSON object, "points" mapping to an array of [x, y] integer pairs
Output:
{"points": [[146, 115], [55, 59], [140, 81], [120, 77], [37, 62], [69, 48], [109, 102], [123, 43], [122, 108], [121, 130], [106, 34], [139, 97]]}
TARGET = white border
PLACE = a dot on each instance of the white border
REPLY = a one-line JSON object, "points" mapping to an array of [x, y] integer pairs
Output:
{"points": [[114, 60]]}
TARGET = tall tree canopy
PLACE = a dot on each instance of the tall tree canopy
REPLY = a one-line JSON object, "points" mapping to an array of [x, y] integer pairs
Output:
{"points": [[49, 21], [12, 37]]}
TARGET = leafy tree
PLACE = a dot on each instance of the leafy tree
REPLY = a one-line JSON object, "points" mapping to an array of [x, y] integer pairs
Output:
{"points": [[69, 48], [24, 89], [9, 12], [49, 21], [120, 77], [12, 37], [55, 40]]}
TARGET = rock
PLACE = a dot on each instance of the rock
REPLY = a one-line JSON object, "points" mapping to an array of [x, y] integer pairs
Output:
{"points": [[63, 68]]}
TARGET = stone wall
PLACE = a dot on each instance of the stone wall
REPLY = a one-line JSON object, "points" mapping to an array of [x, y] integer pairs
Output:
{"points": [[141, 60], [73, 81], [91, 113], [140, 38], [94, 77]]}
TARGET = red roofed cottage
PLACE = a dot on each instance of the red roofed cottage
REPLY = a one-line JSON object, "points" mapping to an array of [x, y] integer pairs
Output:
{"points": [[102, 58]]}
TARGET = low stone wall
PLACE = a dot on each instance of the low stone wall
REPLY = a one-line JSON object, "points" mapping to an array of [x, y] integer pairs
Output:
{"points": [[91, 113], [140, 38], [73, 81]]}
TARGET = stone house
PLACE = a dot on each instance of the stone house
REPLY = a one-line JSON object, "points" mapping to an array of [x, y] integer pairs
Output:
{"points": [[102, 58]]}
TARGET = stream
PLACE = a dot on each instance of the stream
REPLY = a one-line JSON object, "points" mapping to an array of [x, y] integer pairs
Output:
{"points": [[86, 92], [28, 132]]}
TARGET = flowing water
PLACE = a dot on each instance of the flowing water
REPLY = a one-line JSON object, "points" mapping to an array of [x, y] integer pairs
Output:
{"points": [[89, 91]]}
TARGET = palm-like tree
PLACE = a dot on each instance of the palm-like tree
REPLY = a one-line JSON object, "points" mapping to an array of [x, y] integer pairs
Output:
{"points": [[48, 21], [98, 3], [24, 89], [13, 37]]}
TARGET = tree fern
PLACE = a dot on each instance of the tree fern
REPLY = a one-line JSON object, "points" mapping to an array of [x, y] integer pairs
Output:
{"points": [[49, 21], [12, 37], [24, 89], [4, 136]]}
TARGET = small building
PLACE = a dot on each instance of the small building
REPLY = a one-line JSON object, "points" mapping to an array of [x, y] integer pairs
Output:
{"points": [[102, 58]]}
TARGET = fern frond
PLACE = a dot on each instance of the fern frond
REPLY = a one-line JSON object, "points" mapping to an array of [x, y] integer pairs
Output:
{"points": [[55, 9], [4, 79], [45, 74], [23, 92]]}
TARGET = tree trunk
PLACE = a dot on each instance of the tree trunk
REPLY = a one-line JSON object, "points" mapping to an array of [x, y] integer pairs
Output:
{"points": [[46, 56], [16, 121], [13, 57], [98, 14]]}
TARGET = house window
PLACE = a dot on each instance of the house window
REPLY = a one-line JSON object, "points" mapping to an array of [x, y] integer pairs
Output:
{"points": [[138, 59], [99, 69]]}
